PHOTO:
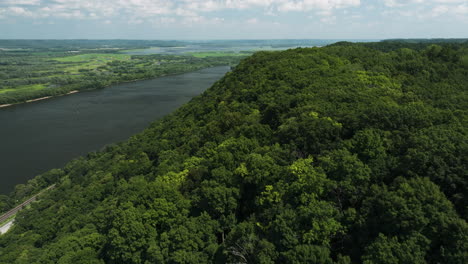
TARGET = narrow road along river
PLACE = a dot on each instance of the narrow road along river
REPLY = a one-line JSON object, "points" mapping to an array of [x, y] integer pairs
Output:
{"points": [[42, 135]]}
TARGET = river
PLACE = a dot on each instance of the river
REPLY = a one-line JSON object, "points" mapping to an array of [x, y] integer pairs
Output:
{"points": [[36, 137]]}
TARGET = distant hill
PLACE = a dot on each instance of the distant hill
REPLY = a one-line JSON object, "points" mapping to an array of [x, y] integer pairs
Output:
{"points": [[433, 40]]}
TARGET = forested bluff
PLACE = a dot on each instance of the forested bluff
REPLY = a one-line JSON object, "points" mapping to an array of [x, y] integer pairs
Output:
{"points": [[350, 153]]}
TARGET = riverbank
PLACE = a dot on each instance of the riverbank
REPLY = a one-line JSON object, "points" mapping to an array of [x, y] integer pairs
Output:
{"points": [[117, 83], [90, 71], [39, 99]]}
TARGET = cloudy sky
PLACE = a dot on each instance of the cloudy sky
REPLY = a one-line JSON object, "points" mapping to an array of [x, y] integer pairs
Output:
{"points": [[233, 19]]}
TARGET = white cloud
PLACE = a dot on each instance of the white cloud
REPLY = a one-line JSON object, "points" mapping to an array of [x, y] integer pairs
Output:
{"points": [[200, 11], [394, 3], [401, 3], [440, 10], [20, 2], [325, 13], [20, 11], [328, 20], [252, 21], [450, 1], [462, 9], [243, 4], [427, 9], [183, 8], [307, 5]]}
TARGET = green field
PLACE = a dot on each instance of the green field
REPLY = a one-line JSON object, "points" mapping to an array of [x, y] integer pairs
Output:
{"points": [[89, 61], [32, 87], [104, 58]]}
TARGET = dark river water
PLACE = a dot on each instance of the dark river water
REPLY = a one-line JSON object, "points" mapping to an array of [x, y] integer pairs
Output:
{"points": [[42, 135]]}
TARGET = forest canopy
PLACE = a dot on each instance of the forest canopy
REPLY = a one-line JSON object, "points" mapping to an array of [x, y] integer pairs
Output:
{"points": [[351, 153]]}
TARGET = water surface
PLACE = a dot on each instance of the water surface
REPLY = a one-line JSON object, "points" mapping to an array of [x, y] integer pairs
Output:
{"points": [[42, 135], [239, 46]]}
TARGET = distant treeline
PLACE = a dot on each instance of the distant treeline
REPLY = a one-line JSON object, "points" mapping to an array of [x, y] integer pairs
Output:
{"points": [[88, 44], [431, 41], [80, 44], [415, 44]]}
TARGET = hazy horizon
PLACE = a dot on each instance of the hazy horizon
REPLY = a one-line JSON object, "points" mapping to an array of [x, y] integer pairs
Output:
{"points": [[201, 40]]}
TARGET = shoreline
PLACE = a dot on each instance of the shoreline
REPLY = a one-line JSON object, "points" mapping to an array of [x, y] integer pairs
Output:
{"points": [[130, 81], [39, 99]]}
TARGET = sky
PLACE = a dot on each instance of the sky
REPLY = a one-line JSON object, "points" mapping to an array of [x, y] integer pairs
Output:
{"points": [[233, 19]]}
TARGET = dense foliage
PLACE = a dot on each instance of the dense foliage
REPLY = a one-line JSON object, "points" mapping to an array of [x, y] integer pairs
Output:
{"points": [[342, 154]]}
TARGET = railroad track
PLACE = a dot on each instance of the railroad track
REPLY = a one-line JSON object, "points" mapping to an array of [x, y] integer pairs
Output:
{"points": [[20, 207]]}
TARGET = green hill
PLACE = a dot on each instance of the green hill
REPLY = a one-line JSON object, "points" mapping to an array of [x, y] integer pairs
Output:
{"points": [[342, 154]]}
